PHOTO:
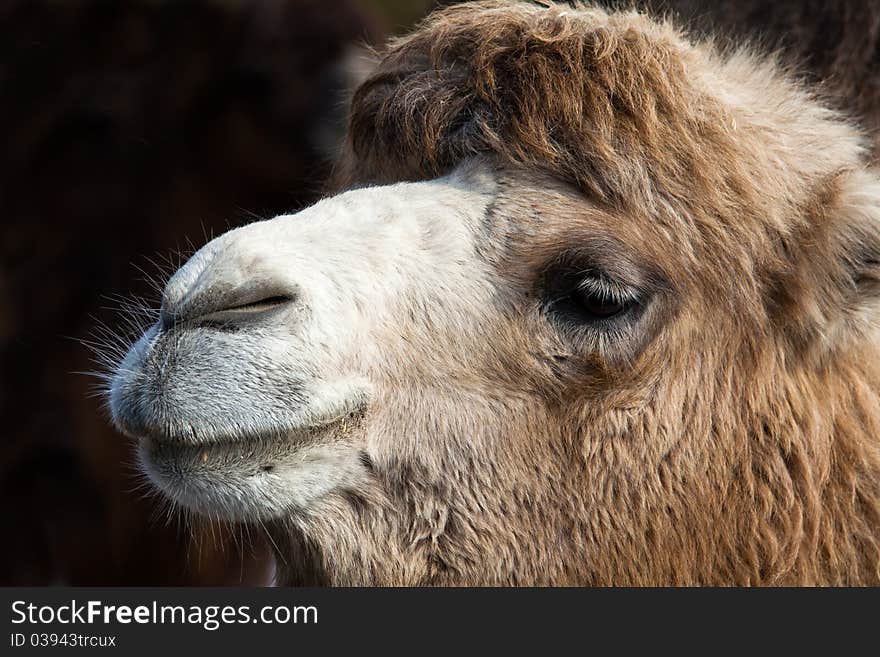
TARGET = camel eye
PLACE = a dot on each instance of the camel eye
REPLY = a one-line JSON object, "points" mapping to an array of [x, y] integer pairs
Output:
{"points": [[598, 305], [589, 297]]}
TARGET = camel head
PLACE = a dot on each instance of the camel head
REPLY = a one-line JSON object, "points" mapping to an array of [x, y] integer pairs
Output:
{"points": [[593, 304]]}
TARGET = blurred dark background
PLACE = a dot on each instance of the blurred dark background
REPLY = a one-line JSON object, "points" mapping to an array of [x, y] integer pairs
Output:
{"points": [[131, 132]]}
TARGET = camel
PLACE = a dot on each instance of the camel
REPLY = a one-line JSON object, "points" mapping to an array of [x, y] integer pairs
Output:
{"points": [[592, 303]]}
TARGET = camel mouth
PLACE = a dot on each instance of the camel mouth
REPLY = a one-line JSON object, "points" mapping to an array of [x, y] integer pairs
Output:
{"points": [[262, 476], [187, 461], [245, 443]]}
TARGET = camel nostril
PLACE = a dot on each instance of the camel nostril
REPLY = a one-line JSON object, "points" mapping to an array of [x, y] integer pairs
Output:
{"points": [[228, 309], [260, 305], [240, 310]]}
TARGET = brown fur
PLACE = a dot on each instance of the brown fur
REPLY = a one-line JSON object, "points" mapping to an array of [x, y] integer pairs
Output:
{"points": [[736, 441], [832, 44]]}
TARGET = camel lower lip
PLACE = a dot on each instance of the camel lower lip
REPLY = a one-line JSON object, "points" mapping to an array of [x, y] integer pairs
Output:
{"points": [[183, 453], [251, 457], [243, 448], [187, 462]]}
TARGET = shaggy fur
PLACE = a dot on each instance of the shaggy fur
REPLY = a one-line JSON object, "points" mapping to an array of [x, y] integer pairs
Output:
{"points": [[833, 44], [741, 445]]}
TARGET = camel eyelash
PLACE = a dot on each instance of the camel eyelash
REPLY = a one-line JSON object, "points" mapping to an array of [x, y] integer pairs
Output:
{"points": [[585, 298], [602, 287]]}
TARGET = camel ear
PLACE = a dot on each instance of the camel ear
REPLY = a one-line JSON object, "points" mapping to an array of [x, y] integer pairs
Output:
{"points": [[854, 221], [824, 291]]}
